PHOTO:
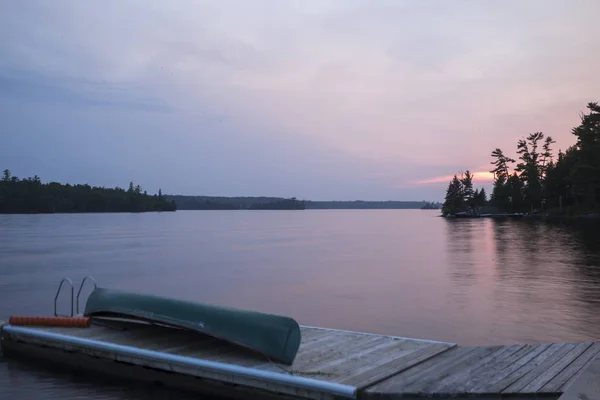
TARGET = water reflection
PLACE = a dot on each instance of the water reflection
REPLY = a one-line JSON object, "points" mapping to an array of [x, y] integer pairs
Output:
{"points": [[529, 280], [32, 381], [460, 248], [399, 272]]}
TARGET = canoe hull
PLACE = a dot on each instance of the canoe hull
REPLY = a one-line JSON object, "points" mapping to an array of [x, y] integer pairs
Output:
{"points": [[276, 337]]}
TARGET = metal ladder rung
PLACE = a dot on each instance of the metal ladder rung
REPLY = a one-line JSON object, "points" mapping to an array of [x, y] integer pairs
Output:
{"points": [[81, 287], [58, 293]]}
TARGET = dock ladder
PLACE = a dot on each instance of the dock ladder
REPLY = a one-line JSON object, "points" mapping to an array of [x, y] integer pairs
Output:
{"points": [[74, 300]]}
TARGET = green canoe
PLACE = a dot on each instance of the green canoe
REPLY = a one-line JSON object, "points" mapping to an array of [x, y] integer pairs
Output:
{"points": [[275, 336]]}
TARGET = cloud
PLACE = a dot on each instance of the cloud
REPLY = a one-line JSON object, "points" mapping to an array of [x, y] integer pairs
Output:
{"points": [[345, 98], [478, 176], [34, 87]]}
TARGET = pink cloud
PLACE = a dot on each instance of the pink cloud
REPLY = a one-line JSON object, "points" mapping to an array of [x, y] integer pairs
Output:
{"points": [[478, 176]]}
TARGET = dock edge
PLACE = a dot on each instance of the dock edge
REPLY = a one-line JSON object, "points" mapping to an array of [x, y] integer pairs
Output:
{"points": [[335, 389]]}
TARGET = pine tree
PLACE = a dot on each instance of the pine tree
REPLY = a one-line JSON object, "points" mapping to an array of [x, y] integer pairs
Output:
{"points": [[454, 201], [466, 181], [530, 169], [501, 173], [586, 174], [6, 175], [482, 197]]}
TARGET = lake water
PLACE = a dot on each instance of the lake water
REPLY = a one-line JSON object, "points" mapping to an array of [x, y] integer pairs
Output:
{"points": [[398, 272]]}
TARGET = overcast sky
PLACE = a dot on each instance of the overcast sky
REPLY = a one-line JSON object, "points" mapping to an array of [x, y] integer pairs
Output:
{"points": [[320, 99]]}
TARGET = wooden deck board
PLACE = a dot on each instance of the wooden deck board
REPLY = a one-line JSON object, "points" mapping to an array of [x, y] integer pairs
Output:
{"points": [[493, 372], [330, 340], [358, 359], [364, 377], [378, 366], [586, 364], [499, 370], [496, 381], [354, 356], [587, 385], [572, 370], [552, 368], [364, 361], [537, 366], [457, 379], [422, 385], [521, 367], [337, 350], [424, 373]]}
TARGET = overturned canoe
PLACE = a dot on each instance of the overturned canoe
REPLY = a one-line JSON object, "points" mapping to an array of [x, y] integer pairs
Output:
{"points": [[277, 337]]}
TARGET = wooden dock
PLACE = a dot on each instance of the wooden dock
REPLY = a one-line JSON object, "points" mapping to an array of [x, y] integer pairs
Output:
{"points": [[330, 363]]}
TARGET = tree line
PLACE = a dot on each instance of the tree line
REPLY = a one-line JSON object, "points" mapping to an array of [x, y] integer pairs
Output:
{"points": [[536, 181], [246, 203], [30, 195], [431, 205], [365, 205], [285, 204], [236, 203]]}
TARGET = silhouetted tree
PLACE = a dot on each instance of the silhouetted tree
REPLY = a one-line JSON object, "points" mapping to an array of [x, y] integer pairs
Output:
{"points": [[570, 184], [466, 181], [480, 198], [501, 173], [454, 201], [30, 195]]}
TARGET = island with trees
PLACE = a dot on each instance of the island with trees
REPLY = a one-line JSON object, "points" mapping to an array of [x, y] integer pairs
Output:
{"points": [[31, 196], [535, 184]]}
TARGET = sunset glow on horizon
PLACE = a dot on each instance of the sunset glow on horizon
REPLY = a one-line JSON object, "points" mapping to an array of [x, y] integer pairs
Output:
{"points": [[478, 176]]}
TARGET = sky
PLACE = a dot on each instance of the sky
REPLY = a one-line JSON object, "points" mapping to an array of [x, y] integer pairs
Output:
{"points": [[317, 99]]}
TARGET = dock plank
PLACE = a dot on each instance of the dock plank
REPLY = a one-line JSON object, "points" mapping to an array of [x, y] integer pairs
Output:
{"points": [[571, 380], [495, 380], [382, 355], [520, 370], [457, 380], [330, 340], [423, 385], [365, 377], [554, 368], [522, 367], [556, 384], [542, 365], [587, 385], [354, 356], [477, 383], [336, 350], [420, 376]]}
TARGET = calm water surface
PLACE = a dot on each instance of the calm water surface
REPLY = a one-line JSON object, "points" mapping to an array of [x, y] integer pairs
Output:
{"points": [[400, 272]]}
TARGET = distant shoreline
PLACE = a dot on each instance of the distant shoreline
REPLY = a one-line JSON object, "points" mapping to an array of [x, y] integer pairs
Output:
{"points": [[270, 203], [32, 196]]}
